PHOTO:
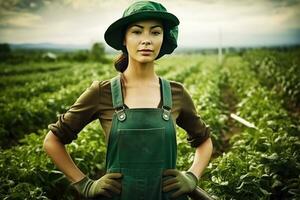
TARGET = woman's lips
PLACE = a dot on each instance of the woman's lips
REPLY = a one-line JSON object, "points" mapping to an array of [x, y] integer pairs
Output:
{"points": [[145, 51]]}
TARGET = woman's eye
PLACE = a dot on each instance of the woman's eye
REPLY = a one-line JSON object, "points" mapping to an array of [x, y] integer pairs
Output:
{"points": [[155, 32], [136, 32]]}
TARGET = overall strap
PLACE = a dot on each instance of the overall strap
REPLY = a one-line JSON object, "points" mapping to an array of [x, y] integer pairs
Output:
{"points": [[166, 93], [116, 92], [118, 103], [167, 99], [117, 97]]}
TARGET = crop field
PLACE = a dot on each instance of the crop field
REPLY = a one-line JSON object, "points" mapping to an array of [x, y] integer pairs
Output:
{"points": [[258, 162]]}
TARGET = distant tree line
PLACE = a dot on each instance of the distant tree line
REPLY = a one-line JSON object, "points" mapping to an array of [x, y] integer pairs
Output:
{"points": [[95, 54]]}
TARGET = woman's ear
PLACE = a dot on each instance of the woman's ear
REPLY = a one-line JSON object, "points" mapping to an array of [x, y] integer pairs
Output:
{"points": [[124, 42]]}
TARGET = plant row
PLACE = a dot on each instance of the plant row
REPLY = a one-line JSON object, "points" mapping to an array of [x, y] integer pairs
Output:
{"points": [[51, 82], [204, 86], [18, 80], [177, 69], [33, 67], [279, 71], [24, 116], [263, 163]]}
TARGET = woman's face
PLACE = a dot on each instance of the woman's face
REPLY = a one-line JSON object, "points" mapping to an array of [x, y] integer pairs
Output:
{"points": [[143, 40]]}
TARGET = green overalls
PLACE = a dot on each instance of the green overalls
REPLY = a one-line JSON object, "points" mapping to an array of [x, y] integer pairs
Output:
{"points": [[142, 144]]}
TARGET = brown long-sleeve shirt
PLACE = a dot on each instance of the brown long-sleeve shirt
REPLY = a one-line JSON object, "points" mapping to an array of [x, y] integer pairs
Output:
{"points": [[96, 103]]}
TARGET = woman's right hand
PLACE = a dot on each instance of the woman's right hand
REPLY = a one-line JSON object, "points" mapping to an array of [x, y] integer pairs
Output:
{"points": [[91, 188]]}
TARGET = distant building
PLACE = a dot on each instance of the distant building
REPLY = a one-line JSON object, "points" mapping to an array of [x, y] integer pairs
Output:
{"points": [[49, 56]]}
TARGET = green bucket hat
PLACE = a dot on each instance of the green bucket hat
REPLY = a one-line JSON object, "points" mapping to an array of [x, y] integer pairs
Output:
{"points": [[143, 10]]}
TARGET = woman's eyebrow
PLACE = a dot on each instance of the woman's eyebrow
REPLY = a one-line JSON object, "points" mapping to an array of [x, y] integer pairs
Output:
{"points": [[156, 26], [140, 26]]}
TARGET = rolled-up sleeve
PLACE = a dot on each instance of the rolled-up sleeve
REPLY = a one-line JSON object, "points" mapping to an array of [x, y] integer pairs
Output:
{"points": [[82, 112], [191, 122]]}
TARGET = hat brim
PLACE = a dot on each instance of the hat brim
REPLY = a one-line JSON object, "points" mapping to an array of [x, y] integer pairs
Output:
{"points": [[115, 32]]}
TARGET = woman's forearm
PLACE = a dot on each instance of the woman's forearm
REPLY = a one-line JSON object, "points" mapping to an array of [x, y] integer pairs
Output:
{"points": [[202, 157], [61, 158]]}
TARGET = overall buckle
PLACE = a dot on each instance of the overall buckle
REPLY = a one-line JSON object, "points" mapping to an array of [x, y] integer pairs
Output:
{"points": [[166, 113], [121, 114]]}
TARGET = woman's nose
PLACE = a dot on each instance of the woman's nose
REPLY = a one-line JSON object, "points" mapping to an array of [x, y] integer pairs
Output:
{"points": [[146, 42]]}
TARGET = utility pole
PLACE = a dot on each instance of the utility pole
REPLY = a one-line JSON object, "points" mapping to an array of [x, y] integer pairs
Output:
{"points": [[220, 54]]}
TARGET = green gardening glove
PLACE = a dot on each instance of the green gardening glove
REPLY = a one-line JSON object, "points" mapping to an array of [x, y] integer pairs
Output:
{"points": [[91, 188], [183, 182]]}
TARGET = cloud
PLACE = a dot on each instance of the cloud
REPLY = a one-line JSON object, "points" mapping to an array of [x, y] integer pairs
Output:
{"points": [[81, 21], [12, 19], [22, 5]]}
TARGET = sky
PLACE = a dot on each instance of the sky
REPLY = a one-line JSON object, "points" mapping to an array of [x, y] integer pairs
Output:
{"points": [[203, 23]]}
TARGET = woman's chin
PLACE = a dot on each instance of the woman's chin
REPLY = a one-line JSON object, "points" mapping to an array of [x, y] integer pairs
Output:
{"points": [[145, 59]]}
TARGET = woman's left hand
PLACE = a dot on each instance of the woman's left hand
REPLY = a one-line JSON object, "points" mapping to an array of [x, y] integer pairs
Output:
{"points": [[182, 181]]}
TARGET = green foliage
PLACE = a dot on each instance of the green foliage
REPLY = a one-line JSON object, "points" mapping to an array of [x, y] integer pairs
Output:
{"points": [[262, 163], [4, 49], [204, 83], [80, 56], [279, 71], [19, 56], [22, 116], [26, 171], [97, 52]]}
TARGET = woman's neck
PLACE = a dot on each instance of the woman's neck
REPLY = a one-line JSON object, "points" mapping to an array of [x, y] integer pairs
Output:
{"points": [[137, 72]]}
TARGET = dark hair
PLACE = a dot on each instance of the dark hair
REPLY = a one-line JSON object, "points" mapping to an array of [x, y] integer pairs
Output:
{"points": [[121, 62]]}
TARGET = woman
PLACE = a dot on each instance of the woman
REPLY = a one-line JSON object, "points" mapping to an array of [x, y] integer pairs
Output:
{"points": [[138, 111]]}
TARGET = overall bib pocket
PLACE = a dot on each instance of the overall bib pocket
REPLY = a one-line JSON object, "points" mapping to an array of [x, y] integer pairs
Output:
{"points": [[139, 148]]}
